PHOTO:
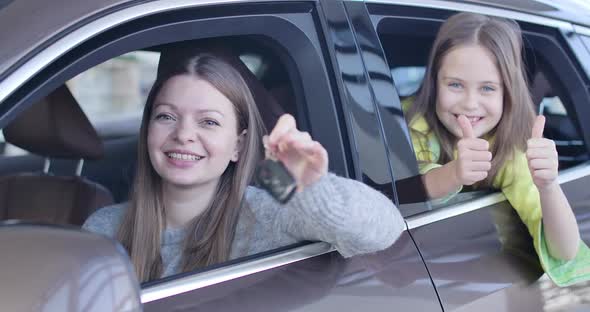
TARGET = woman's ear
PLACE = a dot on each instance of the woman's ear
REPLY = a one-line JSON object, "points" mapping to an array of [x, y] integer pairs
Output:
{"points": [[239, 146]]}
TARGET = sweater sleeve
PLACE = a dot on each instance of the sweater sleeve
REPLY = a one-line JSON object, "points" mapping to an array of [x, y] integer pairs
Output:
{"points": [[106, 220], [353, 217]]}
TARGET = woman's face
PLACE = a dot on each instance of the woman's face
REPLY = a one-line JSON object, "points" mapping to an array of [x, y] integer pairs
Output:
{"points": [[192, 133], [469, 84]]}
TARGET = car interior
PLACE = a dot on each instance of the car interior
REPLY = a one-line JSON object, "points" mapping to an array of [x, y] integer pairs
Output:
{"points": [[55, 127], [70, 169]]}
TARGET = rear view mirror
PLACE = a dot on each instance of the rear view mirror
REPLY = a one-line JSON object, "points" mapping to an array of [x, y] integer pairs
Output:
{"points": [[50, 268]]}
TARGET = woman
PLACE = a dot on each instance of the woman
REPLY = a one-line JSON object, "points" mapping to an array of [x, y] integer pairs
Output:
{"points": [[191, 205]]}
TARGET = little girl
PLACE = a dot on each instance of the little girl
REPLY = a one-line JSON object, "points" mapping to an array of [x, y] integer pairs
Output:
{"points": [[472, 123], [192, 205]]}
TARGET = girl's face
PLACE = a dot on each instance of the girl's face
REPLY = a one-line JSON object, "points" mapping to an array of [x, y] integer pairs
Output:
{"points": [[192, 133], [469, 84]]}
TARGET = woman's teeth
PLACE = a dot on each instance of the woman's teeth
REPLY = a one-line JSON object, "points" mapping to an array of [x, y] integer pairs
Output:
{"points": [[180, 156]]}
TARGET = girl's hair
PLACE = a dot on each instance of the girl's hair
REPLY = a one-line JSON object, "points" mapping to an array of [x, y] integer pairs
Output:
{"points": [[502, 37], [211, 234]]}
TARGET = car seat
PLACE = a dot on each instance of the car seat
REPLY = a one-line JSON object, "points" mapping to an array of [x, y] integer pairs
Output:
{"points": [[55, 127]]}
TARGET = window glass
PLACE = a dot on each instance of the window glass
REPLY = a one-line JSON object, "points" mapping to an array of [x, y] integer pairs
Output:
{"points": [[254, 63], [586, 42], [111, 94], [117, 88], [407, 79], [551, 100], [553, 106], [9, 150]]}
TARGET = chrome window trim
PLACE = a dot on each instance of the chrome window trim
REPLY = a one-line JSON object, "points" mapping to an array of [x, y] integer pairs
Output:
{"points": [[479, 8], [582, 30], [38, 62], [443, 213], [192, 282], [440, 214]]}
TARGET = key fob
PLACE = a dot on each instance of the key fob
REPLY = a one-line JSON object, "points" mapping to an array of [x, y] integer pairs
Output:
{"points": [[274, 177]]}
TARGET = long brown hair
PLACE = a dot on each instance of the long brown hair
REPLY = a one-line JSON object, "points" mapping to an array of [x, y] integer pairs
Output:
{"points": [[502, 37], [210, 235]]}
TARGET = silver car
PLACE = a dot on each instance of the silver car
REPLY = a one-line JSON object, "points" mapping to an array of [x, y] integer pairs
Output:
{"points": [[73, 80]]}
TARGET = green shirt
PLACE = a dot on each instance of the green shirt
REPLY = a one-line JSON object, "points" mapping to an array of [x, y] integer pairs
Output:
{"points": [[516, 183]]}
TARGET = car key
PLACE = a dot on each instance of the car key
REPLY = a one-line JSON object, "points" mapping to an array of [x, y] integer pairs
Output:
{"points": [[275, 178]]}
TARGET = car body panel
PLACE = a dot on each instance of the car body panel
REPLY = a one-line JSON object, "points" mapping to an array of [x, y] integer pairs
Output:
{"points": [[46, 21], [42, 21], [49, 268], [393, 278], [481, 254]]}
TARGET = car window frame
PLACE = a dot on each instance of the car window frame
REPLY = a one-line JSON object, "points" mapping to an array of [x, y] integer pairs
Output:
{"points": [[85, 52]]}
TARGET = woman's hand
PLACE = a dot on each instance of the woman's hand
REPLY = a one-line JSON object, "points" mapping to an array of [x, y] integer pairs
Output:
{"points": [[474, 159], [542, 157], [306, 159]]}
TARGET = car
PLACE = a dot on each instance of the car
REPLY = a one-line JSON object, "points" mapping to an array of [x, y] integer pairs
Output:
{"points": [[73, 80]]}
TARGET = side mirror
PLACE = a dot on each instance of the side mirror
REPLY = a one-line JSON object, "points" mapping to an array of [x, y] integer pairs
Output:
{"points": [[52, 268]]}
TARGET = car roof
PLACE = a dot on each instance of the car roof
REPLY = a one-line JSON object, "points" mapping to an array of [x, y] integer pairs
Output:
{"points": [[27, 25], [574, 11]]}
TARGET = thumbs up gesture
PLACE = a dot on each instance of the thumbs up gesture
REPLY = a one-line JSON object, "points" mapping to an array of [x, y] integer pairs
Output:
{"points": [[542, 156], [474, 159]]}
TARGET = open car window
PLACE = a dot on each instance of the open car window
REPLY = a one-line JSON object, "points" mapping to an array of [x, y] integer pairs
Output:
{"points": [[550, 96]]}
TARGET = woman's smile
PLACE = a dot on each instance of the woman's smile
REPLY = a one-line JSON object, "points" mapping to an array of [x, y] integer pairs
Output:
{"points": [[183, 160]]}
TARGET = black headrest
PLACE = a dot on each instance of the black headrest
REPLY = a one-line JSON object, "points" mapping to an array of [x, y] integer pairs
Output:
{"points": [[56, 126]]}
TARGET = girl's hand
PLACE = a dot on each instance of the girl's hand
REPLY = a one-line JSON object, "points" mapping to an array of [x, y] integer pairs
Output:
{"points": [[306, 159], [474, 159], [542, 157]]}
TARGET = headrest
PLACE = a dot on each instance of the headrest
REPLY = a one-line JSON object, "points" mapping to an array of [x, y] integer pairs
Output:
{"points": [[55, 126], [172, 54]]}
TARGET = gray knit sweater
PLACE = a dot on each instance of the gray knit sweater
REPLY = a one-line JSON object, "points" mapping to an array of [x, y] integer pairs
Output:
{"points": [[353, 217]]}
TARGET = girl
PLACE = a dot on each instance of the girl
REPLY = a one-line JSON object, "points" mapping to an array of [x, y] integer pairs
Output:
{"points": [[473, 124], [191, 205]]}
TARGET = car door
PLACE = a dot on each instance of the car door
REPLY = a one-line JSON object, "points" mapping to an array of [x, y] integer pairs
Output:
{"points": [[477, 251], [395, 277], [330, 97]]}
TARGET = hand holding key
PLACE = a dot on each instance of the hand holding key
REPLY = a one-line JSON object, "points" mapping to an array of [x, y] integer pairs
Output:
{"points": [[474, 159], [306, 159], [542, 156]]}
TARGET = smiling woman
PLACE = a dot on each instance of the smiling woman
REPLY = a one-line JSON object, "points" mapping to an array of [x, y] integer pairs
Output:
{"points": [[200, 141]]}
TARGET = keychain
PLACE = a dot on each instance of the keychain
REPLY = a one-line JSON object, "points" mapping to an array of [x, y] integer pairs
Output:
{"points": [[273, 176]]}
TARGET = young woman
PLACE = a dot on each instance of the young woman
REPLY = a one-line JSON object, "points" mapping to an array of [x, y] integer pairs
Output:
{"points": [[191, 205], [473, 124]]}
